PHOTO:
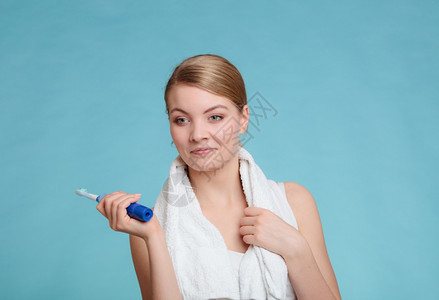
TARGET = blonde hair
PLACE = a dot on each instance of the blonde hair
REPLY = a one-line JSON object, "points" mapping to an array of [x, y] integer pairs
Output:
{"points": [[211, 73]]}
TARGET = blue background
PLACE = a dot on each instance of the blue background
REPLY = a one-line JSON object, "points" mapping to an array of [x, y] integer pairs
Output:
{"points": [[355, 85]]}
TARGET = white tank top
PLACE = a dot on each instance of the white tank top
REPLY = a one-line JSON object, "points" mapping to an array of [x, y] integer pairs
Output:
{"points": [[235, 257]]}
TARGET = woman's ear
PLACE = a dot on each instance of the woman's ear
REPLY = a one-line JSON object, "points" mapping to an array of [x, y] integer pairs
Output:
{"points": [[245, 116]]}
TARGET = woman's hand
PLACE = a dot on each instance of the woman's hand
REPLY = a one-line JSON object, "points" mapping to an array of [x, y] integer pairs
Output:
{"points": [[114, 207], [261, 227]]}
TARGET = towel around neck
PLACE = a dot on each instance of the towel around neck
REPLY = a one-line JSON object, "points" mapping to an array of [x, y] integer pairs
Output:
{"points": [[197, 249]]}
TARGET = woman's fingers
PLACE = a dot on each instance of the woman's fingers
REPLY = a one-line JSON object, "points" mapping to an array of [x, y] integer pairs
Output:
{"points": [[244, 230], [113, 207], [101, 207], [247, 221], [118, 209], [121, 216], [113, 210]]}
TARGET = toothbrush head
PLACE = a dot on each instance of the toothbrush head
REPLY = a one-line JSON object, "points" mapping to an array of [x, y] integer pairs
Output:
{"points": [[83, 193]]}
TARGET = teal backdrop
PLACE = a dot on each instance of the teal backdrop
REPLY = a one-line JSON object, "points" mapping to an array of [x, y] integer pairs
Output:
{"points": [[353, 87]]}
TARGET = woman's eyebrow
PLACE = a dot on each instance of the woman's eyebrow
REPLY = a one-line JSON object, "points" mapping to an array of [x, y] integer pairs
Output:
{"points": [[206, 111]]}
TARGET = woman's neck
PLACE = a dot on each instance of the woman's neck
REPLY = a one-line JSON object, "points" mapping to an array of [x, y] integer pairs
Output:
{"points": [[220, 188]]}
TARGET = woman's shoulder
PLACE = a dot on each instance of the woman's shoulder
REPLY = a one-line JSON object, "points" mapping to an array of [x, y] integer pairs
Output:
{"points": [[297, 194], [302, 203]]}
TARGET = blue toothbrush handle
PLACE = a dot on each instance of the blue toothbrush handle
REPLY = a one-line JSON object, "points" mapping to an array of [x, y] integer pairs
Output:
{"points": [[139, 212], [135, 211]]}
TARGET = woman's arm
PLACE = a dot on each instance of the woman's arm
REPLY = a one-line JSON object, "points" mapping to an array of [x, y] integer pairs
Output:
{"points": [[140, 256], [312, 265], [154, 269], [151, 258]]}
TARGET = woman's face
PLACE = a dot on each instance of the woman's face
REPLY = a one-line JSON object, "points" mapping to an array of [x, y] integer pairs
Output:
{"points": [[205, 127]]}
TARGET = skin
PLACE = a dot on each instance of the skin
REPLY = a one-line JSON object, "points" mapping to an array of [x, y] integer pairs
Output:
{"points": [[217, 185], [219, 129]]}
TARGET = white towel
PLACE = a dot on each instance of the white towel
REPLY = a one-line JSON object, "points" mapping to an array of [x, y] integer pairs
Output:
{"points": [[198, 251]]}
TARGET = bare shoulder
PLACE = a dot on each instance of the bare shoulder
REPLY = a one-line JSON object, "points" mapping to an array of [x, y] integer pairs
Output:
{"points": [[304, 208], [297, 194], [302, 203]]}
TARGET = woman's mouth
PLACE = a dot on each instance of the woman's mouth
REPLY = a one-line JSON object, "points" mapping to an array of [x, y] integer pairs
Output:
{"points": [[202, 151]]}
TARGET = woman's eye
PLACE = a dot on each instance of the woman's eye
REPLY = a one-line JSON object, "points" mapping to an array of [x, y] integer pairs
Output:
{"points": [[217, 117], [179, 120]]}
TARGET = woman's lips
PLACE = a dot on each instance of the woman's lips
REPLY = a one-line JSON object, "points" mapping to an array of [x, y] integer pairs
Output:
{"points": [[202, 151]]}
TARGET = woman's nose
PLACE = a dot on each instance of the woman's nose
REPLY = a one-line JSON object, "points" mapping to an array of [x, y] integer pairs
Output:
{"points": [[199, 131]]}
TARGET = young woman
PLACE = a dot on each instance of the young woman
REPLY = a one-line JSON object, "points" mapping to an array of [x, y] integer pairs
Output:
{"points": [[207, 109]]}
